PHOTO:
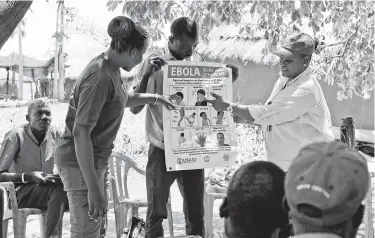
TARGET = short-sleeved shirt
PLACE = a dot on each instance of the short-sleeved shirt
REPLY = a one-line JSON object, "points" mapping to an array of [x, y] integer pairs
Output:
{"points": [[154, 113], [21, 152], [98, 100]]}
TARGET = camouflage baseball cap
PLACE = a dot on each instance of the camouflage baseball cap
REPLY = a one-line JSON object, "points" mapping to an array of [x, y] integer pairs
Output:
{"points": [[296, 44]]}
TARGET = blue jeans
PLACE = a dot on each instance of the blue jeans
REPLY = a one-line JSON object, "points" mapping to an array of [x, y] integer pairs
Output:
{"points": [[158, 183], [81, 226]]}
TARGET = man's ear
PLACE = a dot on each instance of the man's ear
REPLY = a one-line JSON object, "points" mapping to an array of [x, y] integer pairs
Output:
{"points": [[170, 39], [358, 216], [133, 52], [307, 59], [285, 206], [223, 211]]}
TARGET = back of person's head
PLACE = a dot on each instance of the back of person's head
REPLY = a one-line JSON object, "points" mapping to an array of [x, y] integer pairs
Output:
{"points": [[126, 34], [253, 206], [184, 25], [325, 187]]}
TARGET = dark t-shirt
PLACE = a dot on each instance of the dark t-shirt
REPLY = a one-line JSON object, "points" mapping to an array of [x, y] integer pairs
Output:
{"points": [[201, 104], [99, 100]]}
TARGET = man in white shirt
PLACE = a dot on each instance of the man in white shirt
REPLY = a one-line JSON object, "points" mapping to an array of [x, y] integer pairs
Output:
{"points": [[296, 113]]}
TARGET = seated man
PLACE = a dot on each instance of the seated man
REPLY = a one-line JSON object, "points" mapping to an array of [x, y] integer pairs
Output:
{"points": [[253, 206], [27, 159], [325, 187]]}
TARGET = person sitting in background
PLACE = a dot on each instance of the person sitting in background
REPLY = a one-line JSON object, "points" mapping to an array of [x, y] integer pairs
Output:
{"points": [[253, 205], [27, 159], [325, 187]]}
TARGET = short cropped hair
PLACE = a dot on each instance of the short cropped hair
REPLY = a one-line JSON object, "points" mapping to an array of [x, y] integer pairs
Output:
{"points": [[254, 199], [184, 25], [36, 103]]}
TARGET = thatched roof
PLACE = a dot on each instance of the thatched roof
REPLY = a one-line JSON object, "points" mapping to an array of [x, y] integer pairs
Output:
{"points": [[13, 60], [226, 43]]}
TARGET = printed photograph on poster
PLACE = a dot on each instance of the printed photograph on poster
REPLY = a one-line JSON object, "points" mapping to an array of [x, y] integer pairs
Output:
{"points": [[219, 118], [178, 95], [201, 137], [181, 138], [204, 116], [197, 95], [220, 90], [221, 136], [178, 117], [191, 117]]}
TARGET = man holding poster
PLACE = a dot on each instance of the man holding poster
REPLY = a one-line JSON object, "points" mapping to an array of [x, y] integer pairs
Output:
{"points": [[181, 45]]}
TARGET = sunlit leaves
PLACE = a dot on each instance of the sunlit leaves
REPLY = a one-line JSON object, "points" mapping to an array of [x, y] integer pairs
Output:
{"points": [[351, 24]]}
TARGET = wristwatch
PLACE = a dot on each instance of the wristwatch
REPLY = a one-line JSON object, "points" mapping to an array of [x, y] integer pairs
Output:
{"points": [[230, 108]]}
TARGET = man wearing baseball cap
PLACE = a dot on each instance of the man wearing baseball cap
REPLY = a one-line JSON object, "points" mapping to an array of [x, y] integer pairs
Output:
{"points": [[324, 189], [296, 113]]}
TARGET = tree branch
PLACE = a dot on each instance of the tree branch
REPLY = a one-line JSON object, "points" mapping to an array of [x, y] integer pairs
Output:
{"points": [[347, 44]]}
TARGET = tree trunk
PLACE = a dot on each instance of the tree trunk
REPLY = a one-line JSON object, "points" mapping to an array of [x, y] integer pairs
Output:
{"points": [[56, 61], [11, 13], [61, 53], [20, 66]]}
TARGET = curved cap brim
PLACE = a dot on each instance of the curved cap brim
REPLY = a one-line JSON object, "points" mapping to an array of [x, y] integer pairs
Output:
{"points": [[283, 53]]}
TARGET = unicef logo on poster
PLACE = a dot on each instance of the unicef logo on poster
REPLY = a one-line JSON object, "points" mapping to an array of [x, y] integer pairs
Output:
{"points": [[207, 158], [226, 157]]}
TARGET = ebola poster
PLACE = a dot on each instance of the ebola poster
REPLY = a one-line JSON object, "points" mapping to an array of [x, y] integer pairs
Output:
{"points": [[197, 136]]}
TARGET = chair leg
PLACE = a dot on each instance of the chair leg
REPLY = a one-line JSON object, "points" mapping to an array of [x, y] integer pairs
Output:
{"points": [[19, 225], [5, 228], [208, 214], [42, 224], [170, 219], [135, 212], [121, 219]]}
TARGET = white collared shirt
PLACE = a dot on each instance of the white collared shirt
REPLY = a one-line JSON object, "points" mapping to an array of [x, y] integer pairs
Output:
{"points": [[293, 117]]}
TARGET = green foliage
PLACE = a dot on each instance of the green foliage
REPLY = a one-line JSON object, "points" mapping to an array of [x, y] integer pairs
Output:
{"points": [[348, 62]]}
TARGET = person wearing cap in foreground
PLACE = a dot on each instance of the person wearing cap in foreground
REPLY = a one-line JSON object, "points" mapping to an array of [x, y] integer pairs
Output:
{"points": [[253, 205], [92, 123], [324, 190], [296, 113]]}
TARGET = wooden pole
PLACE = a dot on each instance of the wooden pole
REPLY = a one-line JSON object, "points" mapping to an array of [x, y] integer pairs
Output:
{"points": [[7, 68], [61, 53], [56, 62], [20, 67]]}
